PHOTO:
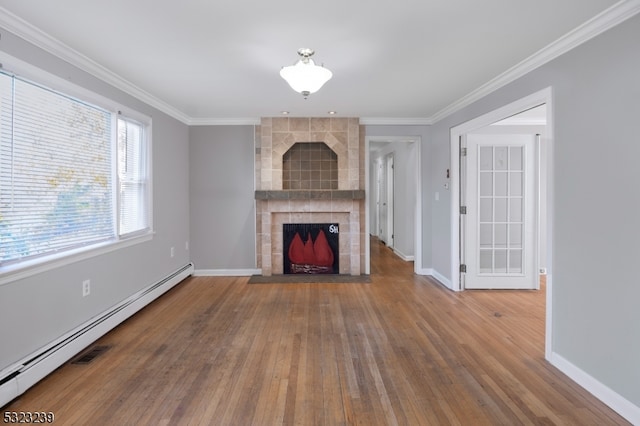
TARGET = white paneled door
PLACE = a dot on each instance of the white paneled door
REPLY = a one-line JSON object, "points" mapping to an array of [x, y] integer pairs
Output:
{"points": [[385, 205], [500, 229]]}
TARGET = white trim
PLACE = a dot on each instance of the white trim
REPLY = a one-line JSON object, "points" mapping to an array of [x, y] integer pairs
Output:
{"points": [[39, 38], [403, 256], [226, 272], [544, 96], [515, 121], [417, 228], [367, 213], [39, 364], [40, 77], [607, 19], [27, 268], [442, 279], [615, 401], [398, 121], [248, 121], [417, 241]]}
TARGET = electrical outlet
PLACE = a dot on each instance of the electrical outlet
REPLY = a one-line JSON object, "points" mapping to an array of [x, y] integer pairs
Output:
{"points": [[186, 245], [86, 288], [173, 251]]}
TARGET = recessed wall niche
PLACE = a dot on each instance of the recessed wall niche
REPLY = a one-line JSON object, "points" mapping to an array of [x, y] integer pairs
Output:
{"points": [[310, 165]]}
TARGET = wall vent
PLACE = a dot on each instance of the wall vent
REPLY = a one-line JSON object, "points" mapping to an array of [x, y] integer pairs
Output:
{"points": [[88, 356]]}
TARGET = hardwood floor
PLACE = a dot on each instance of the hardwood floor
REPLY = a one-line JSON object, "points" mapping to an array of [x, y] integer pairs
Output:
{"points": [[400, 350]]}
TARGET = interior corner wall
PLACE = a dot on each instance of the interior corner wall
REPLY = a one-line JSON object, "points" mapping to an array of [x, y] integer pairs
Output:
{"points": [[223, 215], [595, 90], [39, 309]]}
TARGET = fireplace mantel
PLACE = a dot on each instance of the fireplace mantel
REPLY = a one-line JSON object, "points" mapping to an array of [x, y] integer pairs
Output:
{"points": [[355, 194]]}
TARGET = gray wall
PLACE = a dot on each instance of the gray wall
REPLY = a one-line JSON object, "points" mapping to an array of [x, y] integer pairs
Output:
{"points": [[424, 132], [223, 214], [596, 321], [404, 201], [37, 310], [596, 87]]}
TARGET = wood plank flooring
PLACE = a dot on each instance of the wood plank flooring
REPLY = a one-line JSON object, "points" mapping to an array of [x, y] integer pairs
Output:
{"points": [[401, 350]]}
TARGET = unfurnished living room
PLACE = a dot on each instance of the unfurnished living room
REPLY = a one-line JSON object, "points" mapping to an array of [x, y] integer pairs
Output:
{"points": [[337, 213]]}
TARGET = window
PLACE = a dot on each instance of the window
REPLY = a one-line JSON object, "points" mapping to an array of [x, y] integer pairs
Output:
{"points": [[132, 177], [72, 174]]}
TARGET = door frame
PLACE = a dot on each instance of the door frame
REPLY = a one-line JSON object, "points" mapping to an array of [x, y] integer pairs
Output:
{"points": [[417, 241], [389, 181], [544, 96], [376, 192]]}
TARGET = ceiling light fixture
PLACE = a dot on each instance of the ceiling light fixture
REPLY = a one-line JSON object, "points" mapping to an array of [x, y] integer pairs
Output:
{"points": [[305, 76]]}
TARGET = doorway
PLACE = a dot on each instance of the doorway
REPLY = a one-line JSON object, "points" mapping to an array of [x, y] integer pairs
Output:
{"points": [[511, 114], [393, 205], [385, 184]]}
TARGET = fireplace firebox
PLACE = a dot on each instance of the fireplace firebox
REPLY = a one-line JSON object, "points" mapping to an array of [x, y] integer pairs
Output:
{"points": [[311, 248]]}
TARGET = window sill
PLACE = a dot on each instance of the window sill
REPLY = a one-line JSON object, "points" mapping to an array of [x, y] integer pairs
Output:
{"points": [[27, 268]]}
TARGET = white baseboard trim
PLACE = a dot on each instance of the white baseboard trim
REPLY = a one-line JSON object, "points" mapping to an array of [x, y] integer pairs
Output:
{"points": [[424, 271], [442, 279], [226, 272], [39, 364], [615, 401], [403, 256], [435, 275]]}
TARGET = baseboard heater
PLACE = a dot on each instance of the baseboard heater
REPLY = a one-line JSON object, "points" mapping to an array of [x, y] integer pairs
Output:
{"points": [[16, 379]]}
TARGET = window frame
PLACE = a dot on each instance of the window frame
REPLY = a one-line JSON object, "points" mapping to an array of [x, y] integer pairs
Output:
{"points": [[145, 122], [14, 271]]}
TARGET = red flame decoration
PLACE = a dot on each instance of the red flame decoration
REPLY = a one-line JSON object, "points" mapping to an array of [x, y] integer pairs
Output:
{"points": [[316, 253]]}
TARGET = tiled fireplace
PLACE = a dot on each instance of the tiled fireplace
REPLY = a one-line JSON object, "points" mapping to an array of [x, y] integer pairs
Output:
{"points": [[322, 186]]}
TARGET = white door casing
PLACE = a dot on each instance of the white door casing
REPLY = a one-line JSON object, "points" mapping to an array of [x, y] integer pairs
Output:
{"points": [[382, 205], [390, 199]]}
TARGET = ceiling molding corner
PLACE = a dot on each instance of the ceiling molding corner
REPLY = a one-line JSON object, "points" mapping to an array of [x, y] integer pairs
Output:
{"points": [[39, 38], [600, 23]]}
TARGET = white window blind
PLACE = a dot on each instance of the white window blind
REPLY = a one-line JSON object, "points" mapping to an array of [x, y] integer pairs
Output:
{"points": [[55, 178], [59, 161], [132, 177]]}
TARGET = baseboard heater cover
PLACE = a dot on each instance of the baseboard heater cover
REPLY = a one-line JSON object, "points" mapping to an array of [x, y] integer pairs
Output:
{"points": [[18, 378]]}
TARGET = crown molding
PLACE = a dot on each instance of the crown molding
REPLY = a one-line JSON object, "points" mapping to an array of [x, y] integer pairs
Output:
{"points": [[607, 19], [395, 121], [224, 121], [39, 38]]}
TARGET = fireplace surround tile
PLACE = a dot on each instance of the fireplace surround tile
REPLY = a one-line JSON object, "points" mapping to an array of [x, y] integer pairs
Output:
{"points": [[320, 124], [275, 206]]}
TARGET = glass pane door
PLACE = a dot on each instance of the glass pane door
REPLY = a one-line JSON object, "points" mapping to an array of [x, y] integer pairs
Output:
{"points": [[501, 210]]}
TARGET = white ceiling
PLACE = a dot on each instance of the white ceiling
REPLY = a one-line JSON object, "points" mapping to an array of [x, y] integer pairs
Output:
{"points": [[218, 61]]}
